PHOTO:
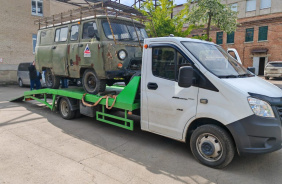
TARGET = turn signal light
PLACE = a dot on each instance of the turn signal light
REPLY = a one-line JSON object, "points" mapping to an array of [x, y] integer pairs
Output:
{"points": [[146, 46], [119, 65]]}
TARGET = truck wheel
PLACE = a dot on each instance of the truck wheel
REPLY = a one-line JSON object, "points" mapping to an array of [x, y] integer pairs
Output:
{"points": [[65, 109], [51, 80], [212, 146], [91, 83], [266, 78], [21, 83]]}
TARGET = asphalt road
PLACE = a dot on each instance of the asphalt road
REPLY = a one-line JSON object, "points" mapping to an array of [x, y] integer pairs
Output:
{"points": [[38, 146]]}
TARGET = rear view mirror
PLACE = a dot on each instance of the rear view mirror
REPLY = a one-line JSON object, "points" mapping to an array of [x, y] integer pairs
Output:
{"points": [[185, 76], [252, 69], [91, 32]]}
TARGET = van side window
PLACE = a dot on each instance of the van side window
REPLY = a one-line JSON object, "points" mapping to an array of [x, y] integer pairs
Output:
{"points": [[166, 62], [61, 34], [74, 32], [85, 29], [163, 62], [23, 66]]}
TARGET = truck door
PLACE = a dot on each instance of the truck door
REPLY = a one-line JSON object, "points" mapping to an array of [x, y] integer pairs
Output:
{"points": [[59, 53], [169, 107], [74, 59]]}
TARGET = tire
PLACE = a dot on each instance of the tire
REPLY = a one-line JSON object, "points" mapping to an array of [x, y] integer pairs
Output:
{"points": [[212, 146], [65, 109], [266, 78], [21, 83], [51, 80], [91, 83]]}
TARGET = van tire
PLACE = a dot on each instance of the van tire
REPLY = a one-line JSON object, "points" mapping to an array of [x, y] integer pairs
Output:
{"points": [[91, 83], [21, 83], [65, 109], [51, 80], [266, 78], [212, 146]]}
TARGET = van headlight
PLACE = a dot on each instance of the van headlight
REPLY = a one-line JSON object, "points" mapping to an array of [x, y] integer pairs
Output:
{"points": [[122, 54], [261, 108]]}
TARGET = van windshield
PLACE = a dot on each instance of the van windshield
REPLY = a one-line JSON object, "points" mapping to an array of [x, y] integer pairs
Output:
{"points": [[124, 32], [216, 60]]}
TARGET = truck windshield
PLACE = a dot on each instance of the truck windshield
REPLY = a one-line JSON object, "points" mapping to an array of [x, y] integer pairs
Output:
{"points": [[124, 32], [216, 60]]}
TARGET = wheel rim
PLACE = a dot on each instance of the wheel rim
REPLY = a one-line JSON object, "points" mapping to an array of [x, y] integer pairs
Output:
{"points": [[209, 147], [64, 108], [91, 82]]}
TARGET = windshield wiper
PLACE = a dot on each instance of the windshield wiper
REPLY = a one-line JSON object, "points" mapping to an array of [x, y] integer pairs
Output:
{"points": [[228, 76], [246, 75]]}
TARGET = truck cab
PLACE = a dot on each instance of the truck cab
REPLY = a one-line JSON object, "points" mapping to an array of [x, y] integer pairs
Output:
{"points": [[194, 91]]}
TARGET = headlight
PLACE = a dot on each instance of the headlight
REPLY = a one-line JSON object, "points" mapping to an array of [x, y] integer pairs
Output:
{"points": [[122, 54], [261, 108]]}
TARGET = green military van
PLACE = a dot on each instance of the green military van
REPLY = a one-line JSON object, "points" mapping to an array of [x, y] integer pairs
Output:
{"points": [[99, 49]]}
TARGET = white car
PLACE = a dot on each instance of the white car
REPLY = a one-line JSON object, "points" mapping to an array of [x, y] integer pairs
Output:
{"points": [[273, 69]]}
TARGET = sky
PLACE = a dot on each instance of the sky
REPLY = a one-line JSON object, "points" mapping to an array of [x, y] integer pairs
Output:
{"points": [[131, 2]]}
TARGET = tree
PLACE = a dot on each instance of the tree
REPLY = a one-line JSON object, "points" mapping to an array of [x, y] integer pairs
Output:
{"points": [[212, 12], [163, 22]]}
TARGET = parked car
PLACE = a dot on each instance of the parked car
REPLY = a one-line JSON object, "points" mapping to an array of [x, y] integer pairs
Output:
{"points": [[23, 75], [273, 69]]}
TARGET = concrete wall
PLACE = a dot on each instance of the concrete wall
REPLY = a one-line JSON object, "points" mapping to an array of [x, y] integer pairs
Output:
{"points": [[17, 27]]}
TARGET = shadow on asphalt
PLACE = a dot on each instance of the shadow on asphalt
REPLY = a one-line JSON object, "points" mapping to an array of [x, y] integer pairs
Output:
{"points": [[160, 155]]}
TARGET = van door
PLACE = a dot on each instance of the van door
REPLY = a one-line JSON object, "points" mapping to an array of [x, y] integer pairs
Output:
{"points": [[74, 59], [90, 50], [169, 106], [59, 53]]}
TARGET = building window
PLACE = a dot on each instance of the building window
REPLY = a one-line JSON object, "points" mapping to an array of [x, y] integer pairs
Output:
{"points": [[230, 38], [263, 33], [250, 5], [34, 39], [265, 4], [234, 7], [249, 35], [219, 36], [37, 7]]}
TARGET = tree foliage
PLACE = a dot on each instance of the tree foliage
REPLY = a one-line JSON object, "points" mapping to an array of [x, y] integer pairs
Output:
{"points": [[212, 12], [163, 22]]}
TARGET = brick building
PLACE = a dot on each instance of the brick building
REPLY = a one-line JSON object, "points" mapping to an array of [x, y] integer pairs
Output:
{"points": [[258, 38], [18, 32]]}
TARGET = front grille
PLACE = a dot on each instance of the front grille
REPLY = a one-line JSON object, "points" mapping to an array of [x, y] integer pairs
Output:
{"points": [[279, 110]]}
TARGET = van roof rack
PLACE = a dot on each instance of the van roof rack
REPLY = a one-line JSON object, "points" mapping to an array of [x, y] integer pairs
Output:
{"points": [[93, 9]]}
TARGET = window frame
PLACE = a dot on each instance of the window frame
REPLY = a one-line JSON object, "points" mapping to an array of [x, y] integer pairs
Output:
{"points": [[233, 33], [34, 38], [259, 31], [252, 35], [217, 34], [36, 8], [264, 7], [59, 41], [176, 50], [253, 9], [77, 39]]}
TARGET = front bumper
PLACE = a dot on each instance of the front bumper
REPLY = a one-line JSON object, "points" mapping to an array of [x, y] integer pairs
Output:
{"points": [[257, 135], [273, 75]]}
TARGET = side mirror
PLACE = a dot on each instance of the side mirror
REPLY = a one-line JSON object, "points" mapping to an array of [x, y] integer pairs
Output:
{"points": [[185, 76], [252, 69], [91, 32]]}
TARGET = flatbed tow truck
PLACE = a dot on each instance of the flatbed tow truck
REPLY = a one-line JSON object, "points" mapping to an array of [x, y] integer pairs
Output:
{"points": [[191, 91]]}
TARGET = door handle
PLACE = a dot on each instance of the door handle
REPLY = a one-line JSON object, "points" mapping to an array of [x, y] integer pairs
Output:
{"points": [[152, 86], [54, 47], [80, 45]]}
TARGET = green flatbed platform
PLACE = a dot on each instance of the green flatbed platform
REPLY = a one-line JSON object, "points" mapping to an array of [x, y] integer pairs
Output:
{"points": [[125, 100]]}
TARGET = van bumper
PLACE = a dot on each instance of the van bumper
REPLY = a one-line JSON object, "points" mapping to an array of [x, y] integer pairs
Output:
{"points": [[119, 73], [256, 135]]}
